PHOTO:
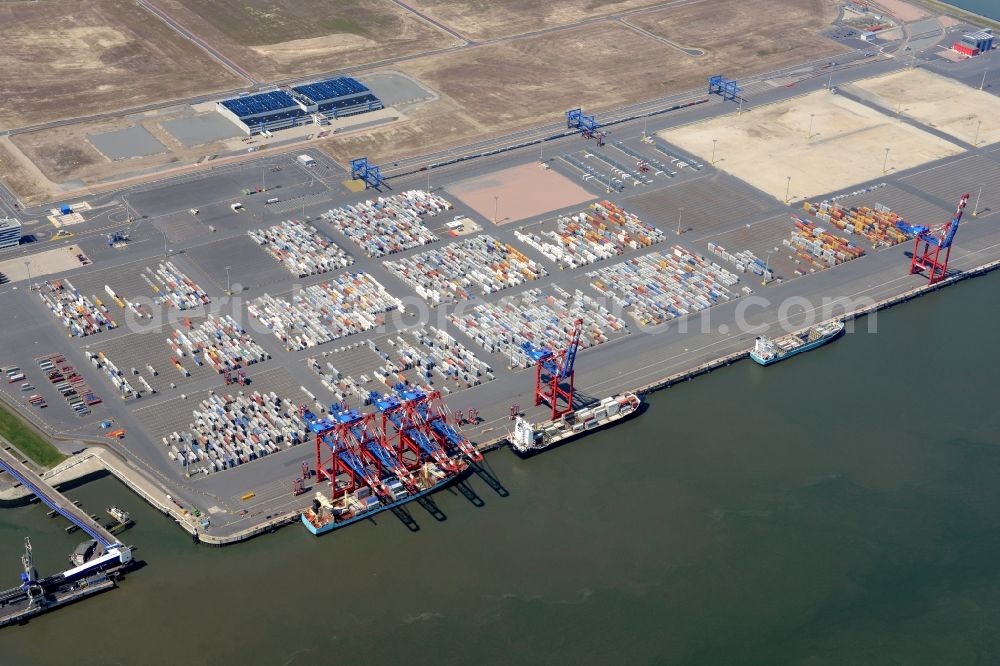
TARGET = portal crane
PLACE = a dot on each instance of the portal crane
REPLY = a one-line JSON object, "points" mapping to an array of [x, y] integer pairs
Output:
{"points": [[366, 438], [371, 174], [337, 453], [554, 372], [410, 435], [725, 88], [939, 238], [29, 577], [429, 411], [587, 125]]}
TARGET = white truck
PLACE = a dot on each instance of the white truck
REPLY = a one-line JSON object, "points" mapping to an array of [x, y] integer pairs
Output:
{"points": [[305, 160]]}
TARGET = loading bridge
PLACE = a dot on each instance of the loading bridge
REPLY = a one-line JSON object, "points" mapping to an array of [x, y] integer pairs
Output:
{"points": [[55, 500]]}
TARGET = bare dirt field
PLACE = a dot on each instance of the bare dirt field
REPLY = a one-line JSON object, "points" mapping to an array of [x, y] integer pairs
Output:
{"points": [[770, 143], [921, 95], [65, 153], [46, 164], [57, 260], [21, 177], [740, 37], [278, 39], [524, 191], [531, 80], [502, 18], [903, 11], [67, 59]]}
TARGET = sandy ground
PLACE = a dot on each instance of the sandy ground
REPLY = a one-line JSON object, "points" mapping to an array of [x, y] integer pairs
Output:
{"points": [[57, 260], [524, 191], [279, 39], [67, 59], [903, 11], [480, 20], [48, 164], [21, 176], [737, 40], [923, 95], [528, 81], [532, 79], [770, 143]]}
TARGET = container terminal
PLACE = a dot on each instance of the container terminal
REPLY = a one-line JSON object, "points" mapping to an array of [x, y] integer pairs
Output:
{"points": [[377, 327]]}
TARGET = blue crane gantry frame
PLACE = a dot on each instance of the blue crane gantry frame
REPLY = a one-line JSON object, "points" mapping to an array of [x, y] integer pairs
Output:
{"points": [[586, 125], [369, 173], [724, 87]]}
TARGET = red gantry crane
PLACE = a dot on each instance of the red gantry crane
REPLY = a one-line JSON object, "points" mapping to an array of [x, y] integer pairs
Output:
{"points": [[934, 239], [554, 373]]}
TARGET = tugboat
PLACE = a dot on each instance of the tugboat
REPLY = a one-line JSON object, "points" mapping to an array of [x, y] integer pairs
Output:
{"points": [[120, 515]]}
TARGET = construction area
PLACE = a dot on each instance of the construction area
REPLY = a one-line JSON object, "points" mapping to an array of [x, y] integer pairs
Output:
{"points": [[432, 89], [809, 145], [118, 56], [731, 38], [917, 93], [278, 40]]}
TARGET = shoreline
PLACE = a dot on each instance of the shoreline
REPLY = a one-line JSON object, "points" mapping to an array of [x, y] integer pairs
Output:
{"points": [[960, 13], [137, 482]]}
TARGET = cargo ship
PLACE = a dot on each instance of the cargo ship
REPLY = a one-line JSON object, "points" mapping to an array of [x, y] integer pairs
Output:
{"points": [[767, 351], [326, 514], [527, 441]]}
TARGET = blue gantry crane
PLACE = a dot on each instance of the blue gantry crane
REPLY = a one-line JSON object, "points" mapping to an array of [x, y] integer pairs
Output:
{"points": [[369, 173], [725, 88], [934, 239], [586, 125], [118, 238], [554, 372]]}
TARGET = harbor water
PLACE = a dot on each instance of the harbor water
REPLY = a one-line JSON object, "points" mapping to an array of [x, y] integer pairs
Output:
{"points": [[840, 508], [987, 8]]}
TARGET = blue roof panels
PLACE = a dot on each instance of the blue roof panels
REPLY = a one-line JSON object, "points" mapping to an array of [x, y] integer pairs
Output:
{"points": [[252, 105], [322, 91]]}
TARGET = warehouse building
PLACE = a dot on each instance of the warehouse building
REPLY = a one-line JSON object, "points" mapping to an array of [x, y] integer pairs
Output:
{"points": [[337, 98], [10, 232], [315, 102], [974, 43]]}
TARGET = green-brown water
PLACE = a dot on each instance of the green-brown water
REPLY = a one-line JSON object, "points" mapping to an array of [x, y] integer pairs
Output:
{"points": [[840, 508]]}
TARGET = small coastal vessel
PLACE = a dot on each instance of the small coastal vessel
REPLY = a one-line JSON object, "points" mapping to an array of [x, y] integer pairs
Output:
{"points": [[526, 440], [767, 351]]}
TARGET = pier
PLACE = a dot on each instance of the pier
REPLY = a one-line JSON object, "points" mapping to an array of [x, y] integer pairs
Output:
{"points": [[53, 498]]}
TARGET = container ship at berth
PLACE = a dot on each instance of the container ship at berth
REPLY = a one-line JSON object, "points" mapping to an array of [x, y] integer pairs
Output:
{"points": [[767, 351], [382, 460], [527, 441], [327, 514]]}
